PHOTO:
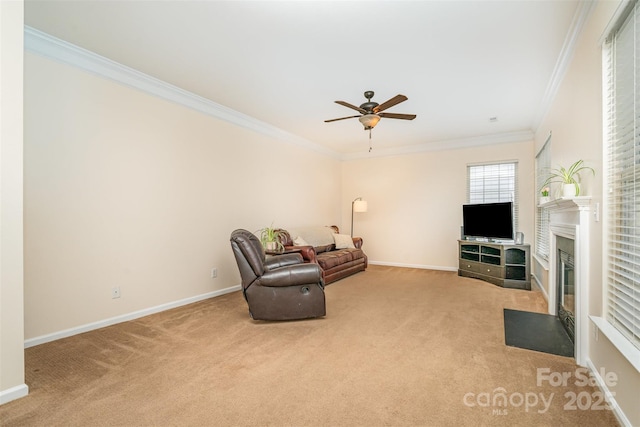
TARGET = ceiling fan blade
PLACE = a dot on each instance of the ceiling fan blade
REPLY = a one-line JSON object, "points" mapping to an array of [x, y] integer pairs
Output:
{"points": [[346, 104], [397, 116], [341, 118], [390, 103]]}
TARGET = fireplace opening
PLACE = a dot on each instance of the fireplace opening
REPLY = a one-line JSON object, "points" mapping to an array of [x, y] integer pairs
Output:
{"points": [[566, 296]]}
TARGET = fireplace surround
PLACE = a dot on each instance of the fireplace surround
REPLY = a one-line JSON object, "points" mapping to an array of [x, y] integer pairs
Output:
{"points": [[569, 234]]}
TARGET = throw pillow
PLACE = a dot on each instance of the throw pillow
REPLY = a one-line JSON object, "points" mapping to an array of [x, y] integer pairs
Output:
{"points": [[343, 241], [299, 241]]}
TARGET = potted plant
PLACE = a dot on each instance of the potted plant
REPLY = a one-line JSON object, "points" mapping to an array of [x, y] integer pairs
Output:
{"points": [[270, 239], [545, 195], [568, 177]]}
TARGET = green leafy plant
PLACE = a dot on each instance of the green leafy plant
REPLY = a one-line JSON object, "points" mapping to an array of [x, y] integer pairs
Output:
{"points": [[570, 175], [269, 235]]}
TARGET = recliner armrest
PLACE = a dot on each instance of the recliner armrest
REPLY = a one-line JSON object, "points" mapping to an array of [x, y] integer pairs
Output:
{"points": [[283, 260], [293, 275]]}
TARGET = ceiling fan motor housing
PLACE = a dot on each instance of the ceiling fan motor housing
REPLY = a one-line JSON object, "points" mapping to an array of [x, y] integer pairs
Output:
{"points": [[369, 105]]}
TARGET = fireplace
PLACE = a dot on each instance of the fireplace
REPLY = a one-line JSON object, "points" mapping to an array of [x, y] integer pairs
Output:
{"points": [[565, 284], [568, 267]]}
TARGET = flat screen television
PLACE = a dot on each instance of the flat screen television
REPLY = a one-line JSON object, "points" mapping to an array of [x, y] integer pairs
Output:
{"points": [[492, 221]]}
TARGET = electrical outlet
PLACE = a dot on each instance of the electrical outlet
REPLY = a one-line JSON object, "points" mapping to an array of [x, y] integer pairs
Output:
{"points": [[115, 292], [214, 273]]}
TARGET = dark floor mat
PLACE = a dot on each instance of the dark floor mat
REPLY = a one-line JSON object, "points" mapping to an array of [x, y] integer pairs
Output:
{"points": [[536, 331]]}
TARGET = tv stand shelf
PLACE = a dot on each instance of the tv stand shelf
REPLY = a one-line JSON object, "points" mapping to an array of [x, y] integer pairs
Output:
{"points": [[505, 265]]}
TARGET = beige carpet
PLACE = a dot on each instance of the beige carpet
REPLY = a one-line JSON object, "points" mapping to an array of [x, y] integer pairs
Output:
{"points": [[398, 347]]}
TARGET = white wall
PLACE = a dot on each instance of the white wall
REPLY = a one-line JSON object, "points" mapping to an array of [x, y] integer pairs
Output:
{"points": [[125, 189], [575, 120], [415, 202], [12, 383]]}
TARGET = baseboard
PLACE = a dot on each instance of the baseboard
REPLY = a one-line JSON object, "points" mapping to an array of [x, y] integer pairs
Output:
{"points": [[13, 393], [608, 395], [421, 266], [126, 317], [540, 287]]}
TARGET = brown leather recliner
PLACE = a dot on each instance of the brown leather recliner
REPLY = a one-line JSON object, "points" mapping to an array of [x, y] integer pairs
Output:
{"points": [[280, 287]]}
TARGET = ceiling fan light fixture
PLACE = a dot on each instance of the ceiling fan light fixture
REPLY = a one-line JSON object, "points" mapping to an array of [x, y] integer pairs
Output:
{"points": [[369, 121]]}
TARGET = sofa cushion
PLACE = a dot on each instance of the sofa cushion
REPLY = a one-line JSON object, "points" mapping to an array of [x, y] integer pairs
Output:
{"points": [[328, 260], [324, 248]]}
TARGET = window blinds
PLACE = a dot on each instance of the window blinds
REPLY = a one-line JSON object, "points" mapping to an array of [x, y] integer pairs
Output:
{"points": [[622, 113], [543, 164], [493, 183]]}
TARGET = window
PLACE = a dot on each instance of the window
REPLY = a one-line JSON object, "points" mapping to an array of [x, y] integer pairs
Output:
{"points": [[622, 115], [493, 183], [543, 164]]}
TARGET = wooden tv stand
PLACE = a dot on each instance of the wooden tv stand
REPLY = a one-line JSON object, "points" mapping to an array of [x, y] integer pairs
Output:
{"points": [[506, 265]]}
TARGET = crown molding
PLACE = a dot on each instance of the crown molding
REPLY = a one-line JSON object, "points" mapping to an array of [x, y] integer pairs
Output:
{"points": [[48, 46], [450, 144], [580, 17]]}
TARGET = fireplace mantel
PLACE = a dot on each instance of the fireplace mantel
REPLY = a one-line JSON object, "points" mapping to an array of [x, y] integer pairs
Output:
{"points": [[570, 218], [570, 204]]}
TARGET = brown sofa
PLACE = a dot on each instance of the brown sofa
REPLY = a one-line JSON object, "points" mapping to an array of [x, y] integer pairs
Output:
{"points": [[329, 249]]}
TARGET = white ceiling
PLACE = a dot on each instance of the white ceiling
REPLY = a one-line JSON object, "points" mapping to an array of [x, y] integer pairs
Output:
{"points": [[286, 62]]}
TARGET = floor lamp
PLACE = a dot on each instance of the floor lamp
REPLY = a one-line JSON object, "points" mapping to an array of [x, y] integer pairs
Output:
{"points": [[358, 205]]}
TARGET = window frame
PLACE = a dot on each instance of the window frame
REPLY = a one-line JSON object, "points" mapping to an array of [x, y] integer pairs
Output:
{"points": [[621, 122], [491, 198]]}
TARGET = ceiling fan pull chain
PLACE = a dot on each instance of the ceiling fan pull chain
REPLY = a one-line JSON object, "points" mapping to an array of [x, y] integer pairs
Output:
{"points": [[369, 139]]}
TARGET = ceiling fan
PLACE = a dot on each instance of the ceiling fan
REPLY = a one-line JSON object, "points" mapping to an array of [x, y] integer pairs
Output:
{"points": [[371, 112]]}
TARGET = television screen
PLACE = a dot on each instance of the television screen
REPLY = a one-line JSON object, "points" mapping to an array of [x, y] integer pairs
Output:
{"points": [[492, 221]]}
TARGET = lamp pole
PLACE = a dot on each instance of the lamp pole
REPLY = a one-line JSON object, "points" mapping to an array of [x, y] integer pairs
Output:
{"points": [[362, 207]]}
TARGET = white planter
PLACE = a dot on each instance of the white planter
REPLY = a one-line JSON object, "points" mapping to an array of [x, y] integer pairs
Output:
{"points": [[570, 190], [544, 199]]}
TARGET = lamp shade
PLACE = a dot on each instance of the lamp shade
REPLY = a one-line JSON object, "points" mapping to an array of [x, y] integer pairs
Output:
{"points": [[360, 206]]}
